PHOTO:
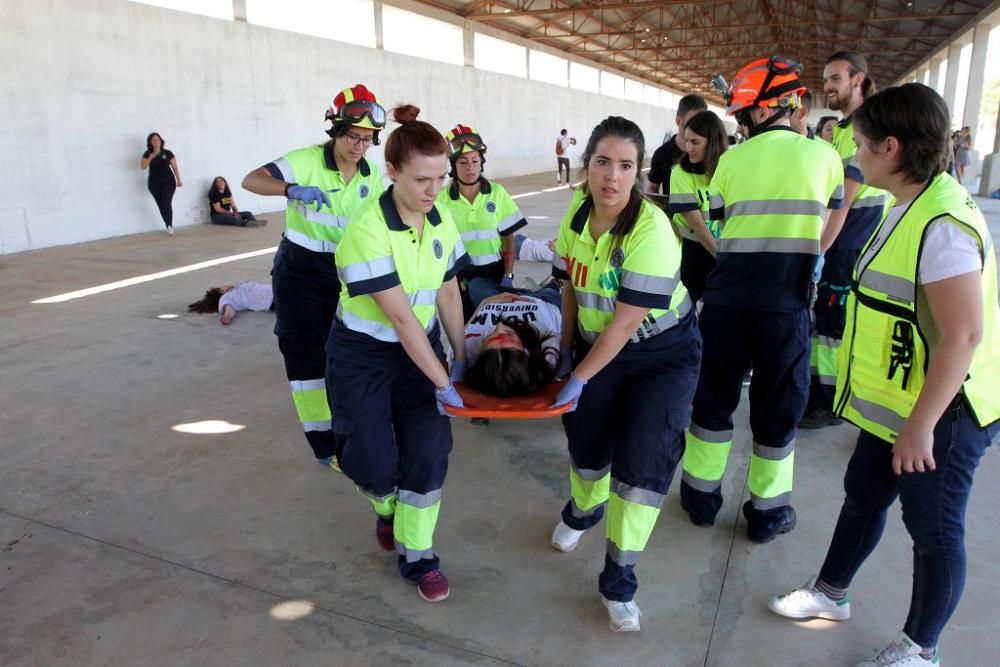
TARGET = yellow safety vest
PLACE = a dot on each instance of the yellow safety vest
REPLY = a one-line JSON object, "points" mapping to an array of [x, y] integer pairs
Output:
{"points": [[883, 360]]}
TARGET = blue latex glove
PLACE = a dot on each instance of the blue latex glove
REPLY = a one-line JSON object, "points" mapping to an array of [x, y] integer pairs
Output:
{"points": [[508, 281], [457, 373], [308, 194], [818, 271], [448, 396], [570, 393], [565, 362]]}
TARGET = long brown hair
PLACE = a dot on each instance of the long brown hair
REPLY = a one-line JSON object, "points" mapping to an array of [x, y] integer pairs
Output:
{"points": [[706, 124], [511, 372], [209, 303]]}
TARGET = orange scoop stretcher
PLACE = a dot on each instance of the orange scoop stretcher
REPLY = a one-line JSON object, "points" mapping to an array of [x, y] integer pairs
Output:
{"points": [[533, 406]]}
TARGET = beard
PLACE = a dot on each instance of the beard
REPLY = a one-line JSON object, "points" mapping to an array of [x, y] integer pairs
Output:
{"points": [[836, 102]]}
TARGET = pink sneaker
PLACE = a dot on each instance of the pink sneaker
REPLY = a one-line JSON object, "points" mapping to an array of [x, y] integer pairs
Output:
{"points": [[383, 533], [433, 586]]}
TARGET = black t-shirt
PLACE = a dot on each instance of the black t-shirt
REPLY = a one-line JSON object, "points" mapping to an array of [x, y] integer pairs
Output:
{"points": [[224, 199], [159, 167], [663, 160]]}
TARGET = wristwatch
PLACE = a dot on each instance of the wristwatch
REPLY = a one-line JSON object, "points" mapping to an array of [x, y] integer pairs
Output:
{"points": [[509, 275]]}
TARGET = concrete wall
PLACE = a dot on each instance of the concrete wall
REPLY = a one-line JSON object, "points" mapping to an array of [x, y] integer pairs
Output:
{"points": [[84, 82]]}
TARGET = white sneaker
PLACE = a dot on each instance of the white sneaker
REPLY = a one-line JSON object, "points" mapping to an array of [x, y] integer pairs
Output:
{"points": [[901, 653], [623, 616], [565, 538], [170, 230], [807, 602]]}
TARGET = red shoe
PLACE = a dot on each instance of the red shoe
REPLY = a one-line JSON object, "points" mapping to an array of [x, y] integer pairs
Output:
{"points": [[383, 533], [433, 586]]}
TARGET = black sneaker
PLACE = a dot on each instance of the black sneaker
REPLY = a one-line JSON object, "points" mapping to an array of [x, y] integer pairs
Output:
{"points": [[818, 419], [761, 536]]}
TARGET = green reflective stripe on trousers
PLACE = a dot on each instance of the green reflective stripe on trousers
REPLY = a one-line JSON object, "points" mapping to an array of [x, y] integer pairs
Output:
{"points": [[705, 486], [823, 361], [589, 488], [414, 525], [705, 459], [413, 555], [763, 504], [630, 524], [770, 478], [384, 506], [621, 557], [309, 397], [774, 453]]}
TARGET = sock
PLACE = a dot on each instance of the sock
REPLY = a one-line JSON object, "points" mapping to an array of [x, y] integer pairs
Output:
{"points": [[832, 592]]}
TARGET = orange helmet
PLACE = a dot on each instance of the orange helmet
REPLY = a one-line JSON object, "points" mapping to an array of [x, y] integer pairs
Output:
{"points": [[357, 106], [767, 82], [465, 139]]}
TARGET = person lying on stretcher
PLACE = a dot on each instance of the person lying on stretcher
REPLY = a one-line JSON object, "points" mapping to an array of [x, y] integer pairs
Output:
{"points": [[512, 339]]}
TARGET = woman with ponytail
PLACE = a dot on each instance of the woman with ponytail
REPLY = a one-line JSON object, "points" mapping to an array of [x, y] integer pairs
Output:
{"points": [[398, 262]]}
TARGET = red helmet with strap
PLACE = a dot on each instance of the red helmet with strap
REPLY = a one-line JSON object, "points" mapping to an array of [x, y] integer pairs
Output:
{"points": [[767, 82], [357, 106], [465, 139]]}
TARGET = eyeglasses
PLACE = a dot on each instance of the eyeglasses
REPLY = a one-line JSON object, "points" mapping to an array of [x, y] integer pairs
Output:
{"points": [[355, 111], [358, 140], [473, 141]]}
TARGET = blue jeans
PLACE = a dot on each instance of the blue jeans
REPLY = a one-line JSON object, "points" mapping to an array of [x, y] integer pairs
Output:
{"points": [[484, 288], [933, 512]]}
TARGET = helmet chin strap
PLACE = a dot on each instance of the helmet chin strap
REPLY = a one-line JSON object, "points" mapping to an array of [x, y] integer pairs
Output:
{"points": [[459, 179], [744, 118]]}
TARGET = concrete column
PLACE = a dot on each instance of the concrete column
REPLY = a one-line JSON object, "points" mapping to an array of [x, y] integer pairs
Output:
{"points": [[377, 8], [240, 10], [951, 77], [935, 66], [977, 76], [989, 180], [469, 44]]}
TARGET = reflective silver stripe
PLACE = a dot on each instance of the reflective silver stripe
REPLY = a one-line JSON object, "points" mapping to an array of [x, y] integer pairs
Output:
{"points": [[878, 414], [376, 268], [683, 198], [773, 453], [621, 557], [702, 433], [635, 495], [413, 555], [894, 286], [641, 282], [846, 161], [575, 510], [838, 192], [376, 330], [559, 262], [781, 245], [716, 201], [869, 202], [510, 221], [590, 336], [664, 322], [285, 167], [321, 218], [826, 341], [306, 385], [312, 427], [605, 304], [703, 485], [776, 207], [591, 475], [827, 380], [419, 500], [424, 297], [456, 254], [480, 235], [378, 499], [761, 503], [316, 245], [483, 260]]}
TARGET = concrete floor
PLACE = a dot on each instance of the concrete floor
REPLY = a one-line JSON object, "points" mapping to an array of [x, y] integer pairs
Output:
{"points": [[124, 541]]}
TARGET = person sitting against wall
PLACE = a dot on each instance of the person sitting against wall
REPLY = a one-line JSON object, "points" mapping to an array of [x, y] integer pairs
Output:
{"points": [[222, 207], [230, 299]]}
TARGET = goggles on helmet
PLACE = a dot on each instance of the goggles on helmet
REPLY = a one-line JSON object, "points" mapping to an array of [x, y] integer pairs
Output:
{"points": [[354, 112], [464, 143]]}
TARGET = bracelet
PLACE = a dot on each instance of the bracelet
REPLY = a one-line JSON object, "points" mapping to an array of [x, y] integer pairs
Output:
{"points": [[289, 185]]}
